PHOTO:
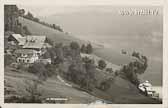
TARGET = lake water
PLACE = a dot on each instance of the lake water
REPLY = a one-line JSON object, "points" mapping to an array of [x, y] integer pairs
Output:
{"points": [[158, 89], [112, 52]]}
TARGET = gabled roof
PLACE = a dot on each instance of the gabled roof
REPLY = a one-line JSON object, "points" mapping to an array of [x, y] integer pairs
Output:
{"points": [[17, 36], [21, 40], [36, 42], [36, 38]]}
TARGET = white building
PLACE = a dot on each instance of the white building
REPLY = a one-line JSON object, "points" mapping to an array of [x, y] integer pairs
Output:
{"points": [[147, 87], [26, 56]]}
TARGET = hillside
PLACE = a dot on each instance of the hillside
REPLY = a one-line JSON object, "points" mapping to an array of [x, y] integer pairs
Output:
{"points": [[54, 35], [121, 91], [61, 37], [53, 87]]}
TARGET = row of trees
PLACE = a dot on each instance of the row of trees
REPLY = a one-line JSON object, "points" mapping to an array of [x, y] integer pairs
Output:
{"points": [[30, 16], [11, 15]]}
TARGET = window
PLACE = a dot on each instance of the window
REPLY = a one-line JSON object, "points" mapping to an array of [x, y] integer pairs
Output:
{"points": [[28, 61], [19, 60]]}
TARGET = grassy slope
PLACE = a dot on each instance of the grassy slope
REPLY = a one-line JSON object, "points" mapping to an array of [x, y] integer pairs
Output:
{"points": [[54, 35], [51, 88], [121, 90]]}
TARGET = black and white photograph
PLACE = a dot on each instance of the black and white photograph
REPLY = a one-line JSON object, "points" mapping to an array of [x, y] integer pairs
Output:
{"points": [[83, 54]]}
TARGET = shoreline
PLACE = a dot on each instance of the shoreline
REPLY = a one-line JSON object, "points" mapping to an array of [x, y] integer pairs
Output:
{"points": [[158, 89], [101, 46]]}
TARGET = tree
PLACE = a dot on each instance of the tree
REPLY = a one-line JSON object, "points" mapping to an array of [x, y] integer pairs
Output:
{"points": [[59, 54], [29, 16], [130, 73], [51, 70], [21, 12], [48, 40], [136, 54], [10, 17], [101, 64], [52, 53], [36, 19], [26, 30], [54, 26], [46, 55], [82, 73], [90, 74], [39, 69], [74, 45], [58, 60], [11, 20], [75, 50], [32, 88], [83, 48], [89, 49]]}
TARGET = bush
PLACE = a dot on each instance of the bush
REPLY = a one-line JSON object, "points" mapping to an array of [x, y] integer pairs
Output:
{"points": [[74, 45], [8, 59], [130, 73], [105, 85], [39, 69], [89, 49], [101, 64], [110, 70], [46, 55], [51, 70]]}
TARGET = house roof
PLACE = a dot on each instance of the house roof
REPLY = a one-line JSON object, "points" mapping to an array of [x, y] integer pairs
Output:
{"points": [[25, 51], [19, 38], [22, 41], [36, 42]]}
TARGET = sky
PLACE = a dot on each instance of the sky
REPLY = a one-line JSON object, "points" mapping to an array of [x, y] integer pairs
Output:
{"points": [[46, 8]]}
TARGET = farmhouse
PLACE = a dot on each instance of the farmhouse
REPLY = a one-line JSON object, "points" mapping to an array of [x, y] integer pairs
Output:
{"points": [[26, 55], [32, 49]]}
